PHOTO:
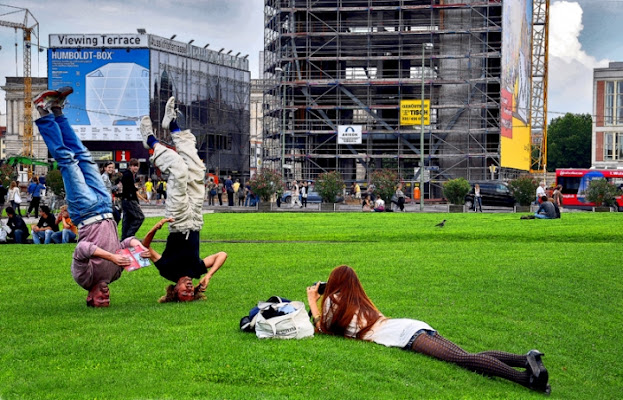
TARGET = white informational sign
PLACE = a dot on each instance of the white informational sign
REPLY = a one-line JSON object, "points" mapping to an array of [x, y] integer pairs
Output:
{"points": [[349, 134], [426, 177]]}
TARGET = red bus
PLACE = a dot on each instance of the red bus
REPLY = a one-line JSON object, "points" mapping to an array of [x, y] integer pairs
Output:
{"points": [[575, 182]]}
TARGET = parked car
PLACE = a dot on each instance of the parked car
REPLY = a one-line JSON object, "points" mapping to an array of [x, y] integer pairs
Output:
{"points": [[312, 197], [493, 193]]}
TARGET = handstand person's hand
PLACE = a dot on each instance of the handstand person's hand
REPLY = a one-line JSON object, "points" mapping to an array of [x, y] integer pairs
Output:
{"points": [[163, 221], [203, 283]]}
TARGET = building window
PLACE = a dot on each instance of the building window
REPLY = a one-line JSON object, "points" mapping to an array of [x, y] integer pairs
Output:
{"points": [[613, 103], [613, 146]]}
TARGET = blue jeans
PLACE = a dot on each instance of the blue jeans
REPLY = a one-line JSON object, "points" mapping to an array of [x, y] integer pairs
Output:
{"points": [[45, 236], [86, 193], [541, 216], [20, 236], [64, 236], [478, 203]]}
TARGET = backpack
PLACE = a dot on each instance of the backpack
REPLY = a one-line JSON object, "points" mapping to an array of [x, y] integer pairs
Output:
{"points": [[241, 193], [278, 318]]}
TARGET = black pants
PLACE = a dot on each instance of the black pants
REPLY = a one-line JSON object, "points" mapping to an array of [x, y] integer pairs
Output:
{"points": [[34, 205], [230, 198], [132, 218]]}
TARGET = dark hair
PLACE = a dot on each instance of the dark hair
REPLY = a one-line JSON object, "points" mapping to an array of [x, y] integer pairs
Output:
{"points": [[9, 210], [171, 294], [348, 299], [133, 161], [107, 163], [45, 209], [543, 198]]}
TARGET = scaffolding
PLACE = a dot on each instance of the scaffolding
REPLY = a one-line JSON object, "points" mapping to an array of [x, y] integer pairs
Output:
{"points": [[351, 62]]}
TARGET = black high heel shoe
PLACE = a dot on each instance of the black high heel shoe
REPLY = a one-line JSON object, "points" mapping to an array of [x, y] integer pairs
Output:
{"points": [[538, 373]]}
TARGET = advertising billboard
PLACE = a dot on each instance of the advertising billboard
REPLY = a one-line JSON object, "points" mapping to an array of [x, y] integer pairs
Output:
{"points": [[516, 86], [111, 89]]}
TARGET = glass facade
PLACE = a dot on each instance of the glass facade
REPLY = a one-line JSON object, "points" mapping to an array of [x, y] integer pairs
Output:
{"points": [[118, 78], [216, 102]]}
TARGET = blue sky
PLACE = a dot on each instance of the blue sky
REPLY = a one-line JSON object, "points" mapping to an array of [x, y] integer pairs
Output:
{"points": [[584, 34]]}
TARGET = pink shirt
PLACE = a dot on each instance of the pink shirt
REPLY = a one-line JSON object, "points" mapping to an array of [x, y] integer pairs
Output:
{"points": [[87, 270]]}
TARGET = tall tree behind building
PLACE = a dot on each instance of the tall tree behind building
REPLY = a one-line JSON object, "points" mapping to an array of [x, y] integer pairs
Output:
{"points": [[569, 142]]}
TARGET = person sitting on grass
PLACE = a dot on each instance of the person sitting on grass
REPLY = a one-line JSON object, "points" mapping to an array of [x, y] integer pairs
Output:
{"points": [[69, 231], [379, 204], [44, 229], [180, 262], [346, 310], [95, 263], [546, 210], [19, 230]]}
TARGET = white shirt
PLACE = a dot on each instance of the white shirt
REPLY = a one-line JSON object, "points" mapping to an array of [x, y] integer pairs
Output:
{"points": [[390, 332]]}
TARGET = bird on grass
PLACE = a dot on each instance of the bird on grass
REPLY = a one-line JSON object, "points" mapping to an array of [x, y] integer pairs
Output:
{"points": [[441, 224]]}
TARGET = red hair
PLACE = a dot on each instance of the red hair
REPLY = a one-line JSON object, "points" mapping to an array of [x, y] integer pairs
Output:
{"points": [[347, 298]]}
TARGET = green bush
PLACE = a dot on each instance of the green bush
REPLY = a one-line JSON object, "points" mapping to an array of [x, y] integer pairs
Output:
{"points": [[265, 183], [602, 192], [329, 185], [384, 181], [524, 189], [54, 181], [455, 190], [7, 174]]}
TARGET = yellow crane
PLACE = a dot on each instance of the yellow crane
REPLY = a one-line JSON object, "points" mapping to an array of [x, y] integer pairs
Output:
{"points": [[538, 106], [21, 18]]}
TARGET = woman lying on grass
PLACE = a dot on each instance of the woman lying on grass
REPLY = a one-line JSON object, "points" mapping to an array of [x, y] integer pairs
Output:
{"points": [[347, 311]]}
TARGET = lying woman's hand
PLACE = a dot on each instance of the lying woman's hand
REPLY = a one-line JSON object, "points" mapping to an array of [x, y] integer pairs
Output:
{"points": [[312, 293]]}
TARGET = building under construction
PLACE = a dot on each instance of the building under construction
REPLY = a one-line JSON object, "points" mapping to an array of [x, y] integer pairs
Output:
{"points": [[361, 64]]}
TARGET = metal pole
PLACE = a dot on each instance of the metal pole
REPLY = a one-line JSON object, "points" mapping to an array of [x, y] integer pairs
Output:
{"points": [[422, 135], [283, 126], [283, 120]]}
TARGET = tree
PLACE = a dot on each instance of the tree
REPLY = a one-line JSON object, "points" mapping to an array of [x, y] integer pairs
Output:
{"points": [[569, 142], [266, 183], [7, 174], [602, 192], [54, 181], [329, 185], [384, 181], [524, 189], [455, 190]]}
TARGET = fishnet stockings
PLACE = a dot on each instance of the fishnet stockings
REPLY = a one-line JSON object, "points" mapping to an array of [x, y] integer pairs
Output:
{"points": [[492, 363]]}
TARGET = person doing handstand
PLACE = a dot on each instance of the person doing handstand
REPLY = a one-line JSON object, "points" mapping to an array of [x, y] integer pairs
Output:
{"points": [[346, 310], [180, 261], [95, 263]]}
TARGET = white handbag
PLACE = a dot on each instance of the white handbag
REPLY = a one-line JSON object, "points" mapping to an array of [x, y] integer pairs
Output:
{"points": [[294, 325], [17, 199]]}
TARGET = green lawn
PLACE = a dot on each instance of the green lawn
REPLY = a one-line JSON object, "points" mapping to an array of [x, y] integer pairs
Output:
{"points": [[485, 281]]}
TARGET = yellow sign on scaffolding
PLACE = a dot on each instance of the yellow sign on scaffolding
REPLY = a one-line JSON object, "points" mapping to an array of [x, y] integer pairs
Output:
{"points": [[411, 111]]}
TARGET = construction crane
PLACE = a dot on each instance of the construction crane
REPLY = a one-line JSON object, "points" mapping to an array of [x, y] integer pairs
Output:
{"points": [[21, 18], [538, 107]]}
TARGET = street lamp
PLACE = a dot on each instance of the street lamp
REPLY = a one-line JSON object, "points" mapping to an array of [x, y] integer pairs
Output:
{"points": [[424, 47], [283, 121]]}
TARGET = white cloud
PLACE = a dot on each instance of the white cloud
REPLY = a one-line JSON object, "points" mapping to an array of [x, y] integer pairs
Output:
{"points": [[570, 68]]}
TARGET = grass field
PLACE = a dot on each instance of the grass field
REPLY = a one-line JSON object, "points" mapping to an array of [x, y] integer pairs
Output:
{"points": [[485, 281]]}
